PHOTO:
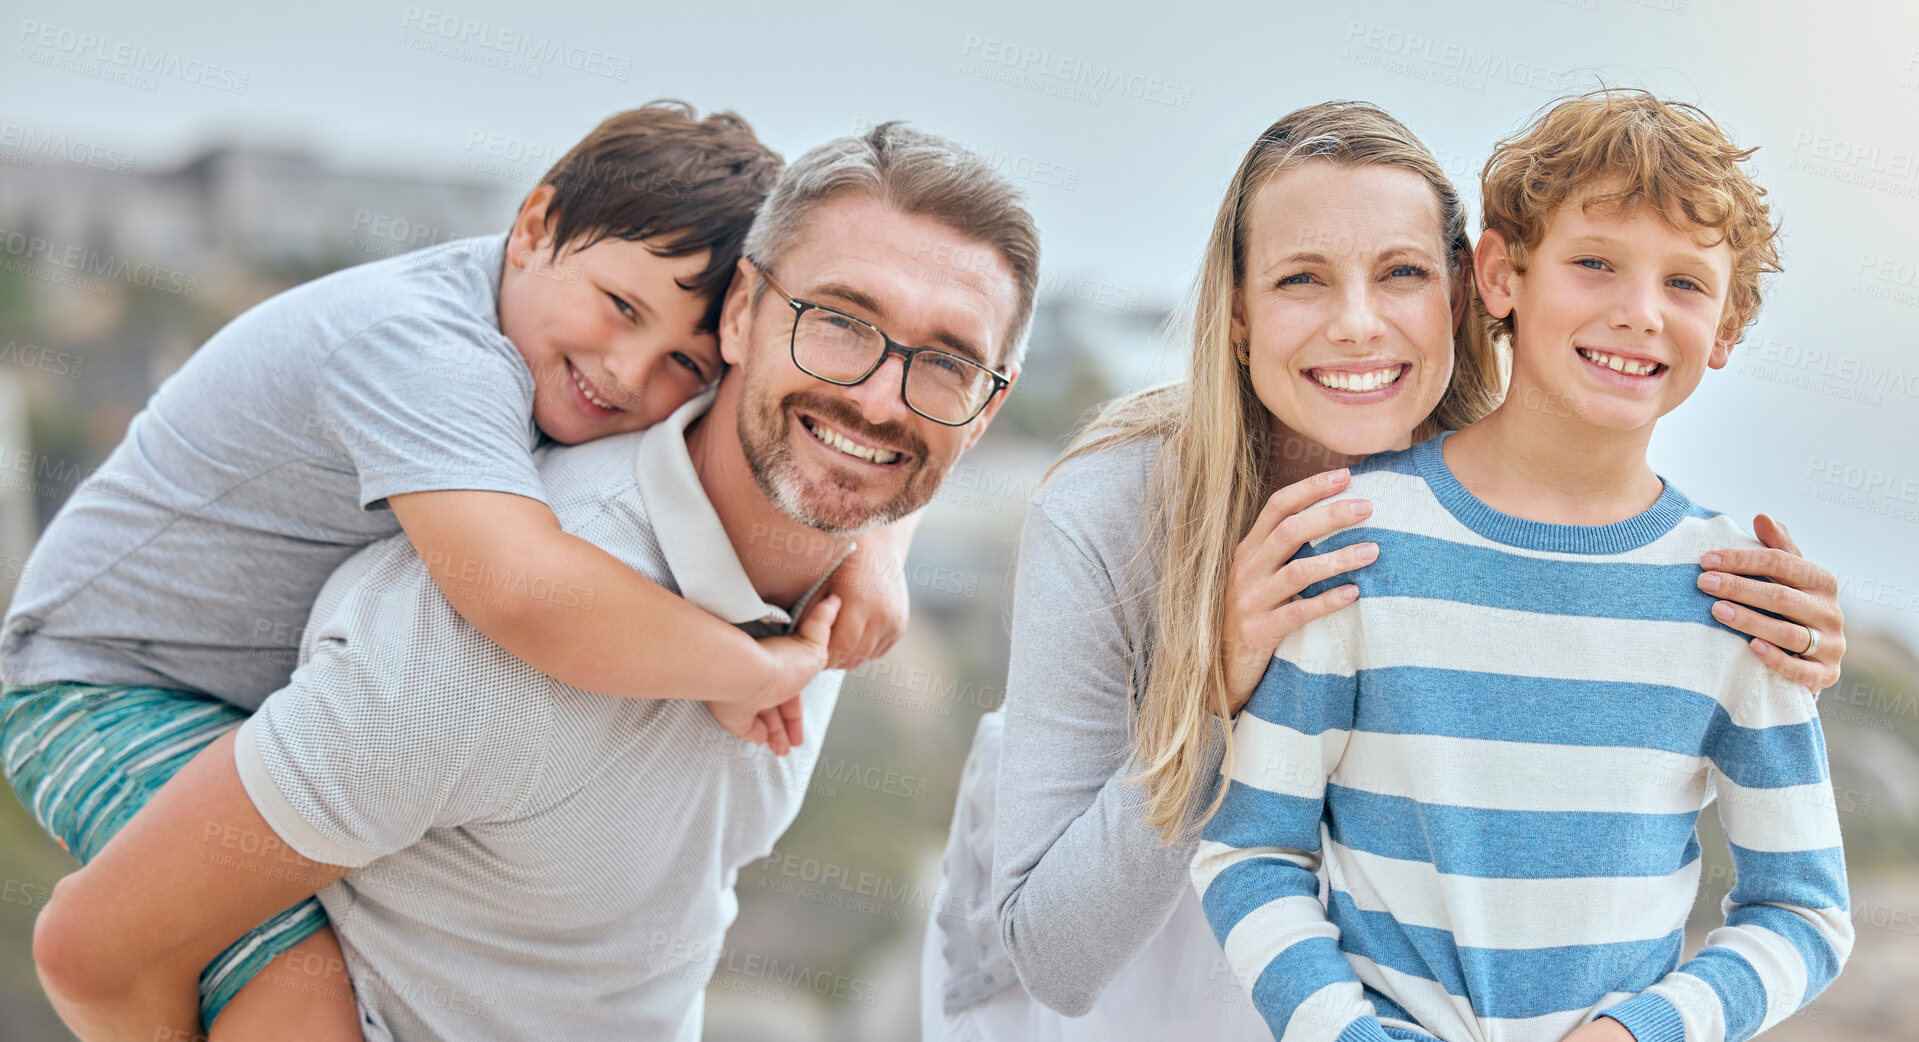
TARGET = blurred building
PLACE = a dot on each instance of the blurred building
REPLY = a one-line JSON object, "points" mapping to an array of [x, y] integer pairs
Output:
{"points": [[112, 274], [233, 209], [17, 523]]}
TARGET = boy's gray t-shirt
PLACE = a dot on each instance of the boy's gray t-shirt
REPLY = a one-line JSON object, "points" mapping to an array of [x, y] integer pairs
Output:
{"points": [[191, 557]]}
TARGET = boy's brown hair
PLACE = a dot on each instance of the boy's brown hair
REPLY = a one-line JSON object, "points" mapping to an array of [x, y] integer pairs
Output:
{"points": [[1620, 148], [660, 171]]}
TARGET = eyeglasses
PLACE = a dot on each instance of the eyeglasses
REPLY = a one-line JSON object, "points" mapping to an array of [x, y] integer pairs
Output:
{"points": [[831, 345]]}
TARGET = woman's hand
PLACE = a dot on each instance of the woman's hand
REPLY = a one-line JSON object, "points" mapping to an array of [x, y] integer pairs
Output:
{"points": [[1262, 593], [1800, 591]]}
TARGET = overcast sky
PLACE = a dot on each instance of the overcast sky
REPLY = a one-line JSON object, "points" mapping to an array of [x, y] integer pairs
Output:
{"points": [[1124, 123]]}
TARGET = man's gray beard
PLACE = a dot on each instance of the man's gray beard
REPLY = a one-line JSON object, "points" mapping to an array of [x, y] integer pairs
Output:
{"points": [[778, 478]]}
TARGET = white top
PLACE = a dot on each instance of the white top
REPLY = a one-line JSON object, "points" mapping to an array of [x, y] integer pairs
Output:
{"points": [[535, 861]]}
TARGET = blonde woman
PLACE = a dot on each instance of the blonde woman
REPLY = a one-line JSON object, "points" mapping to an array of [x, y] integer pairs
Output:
{"points": [[1332, 319]]}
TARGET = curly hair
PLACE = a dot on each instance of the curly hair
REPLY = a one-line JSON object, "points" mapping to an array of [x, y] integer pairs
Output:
{"points": [[1617, 149]]}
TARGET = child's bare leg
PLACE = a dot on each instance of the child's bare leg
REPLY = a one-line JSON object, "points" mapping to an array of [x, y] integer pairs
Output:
{"points": [[303, 995], [121, 943]]}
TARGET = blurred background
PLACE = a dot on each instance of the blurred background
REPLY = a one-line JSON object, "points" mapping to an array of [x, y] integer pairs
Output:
{"points": [[163, 169]]}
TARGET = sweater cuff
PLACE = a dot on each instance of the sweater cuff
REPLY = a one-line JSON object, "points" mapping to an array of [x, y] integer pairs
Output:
{"points": [[1650, 1018], [1365, 1029], [1212, 758]]}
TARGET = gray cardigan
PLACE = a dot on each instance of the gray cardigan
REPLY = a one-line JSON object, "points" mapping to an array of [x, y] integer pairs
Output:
{"points": [[1080, 883]]}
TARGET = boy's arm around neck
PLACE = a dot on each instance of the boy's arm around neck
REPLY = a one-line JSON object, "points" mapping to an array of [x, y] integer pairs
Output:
{"points": [[873, 593], [581, 616]]}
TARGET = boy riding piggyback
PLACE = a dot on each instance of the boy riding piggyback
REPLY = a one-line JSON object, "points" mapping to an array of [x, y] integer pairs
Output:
{"points": [[167, 599]]}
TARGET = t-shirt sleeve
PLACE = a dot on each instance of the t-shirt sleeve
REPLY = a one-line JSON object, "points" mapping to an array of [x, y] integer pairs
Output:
{"points": [[348, 767], [421, 404]]}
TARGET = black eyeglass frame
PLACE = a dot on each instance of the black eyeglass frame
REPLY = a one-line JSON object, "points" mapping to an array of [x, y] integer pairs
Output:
{"points": [[801, 307]]}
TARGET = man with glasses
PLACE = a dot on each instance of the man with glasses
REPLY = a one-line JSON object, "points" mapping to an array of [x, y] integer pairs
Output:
{"points": [[503, 856]]}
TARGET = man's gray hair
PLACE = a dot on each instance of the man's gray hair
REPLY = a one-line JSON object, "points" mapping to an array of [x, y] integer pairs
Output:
{"points": [[916, 173]]}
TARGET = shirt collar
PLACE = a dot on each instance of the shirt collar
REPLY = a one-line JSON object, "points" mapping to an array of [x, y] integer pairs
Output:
{"points": [[702, 559]]}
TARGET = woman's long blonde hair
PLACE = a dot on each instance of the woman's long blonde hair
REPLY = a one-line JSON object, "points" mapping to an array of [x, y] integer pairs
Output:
{"points": [[1208, 485]]}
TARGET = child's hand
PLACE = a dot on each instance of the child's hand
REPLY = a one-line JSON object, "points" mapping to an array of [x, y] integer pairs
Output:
{"points": [[1604, 1029], [779, 729], [772, 717], [743, 721], [872, 583]]}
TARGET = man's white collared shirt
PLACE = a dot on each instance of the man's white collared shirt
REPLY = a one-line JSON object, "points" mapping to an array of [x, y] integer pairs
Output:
{"points": [[538, 861]]}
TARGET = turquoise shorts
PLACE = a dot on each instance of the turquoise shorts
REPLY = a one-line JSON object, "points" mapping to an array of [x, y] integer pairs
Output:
{"points": [[85, 758]]}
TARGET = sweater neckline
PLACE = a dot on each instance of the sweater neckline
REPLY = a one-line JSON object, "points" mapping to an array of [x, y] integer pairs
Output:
{"points": [[1618, 537]]}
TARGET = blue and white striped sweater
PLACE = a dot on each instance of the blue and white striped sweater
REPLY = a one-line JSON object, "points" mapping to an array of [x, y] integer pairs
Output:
{"points": [[1499, 754]]}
